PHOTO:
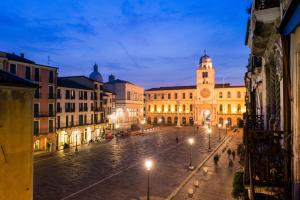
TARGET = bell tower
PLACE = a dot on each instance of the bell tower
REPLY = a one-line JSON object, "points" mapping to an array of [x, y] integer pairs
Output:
{"points": [[205, 80], [205, 84]]}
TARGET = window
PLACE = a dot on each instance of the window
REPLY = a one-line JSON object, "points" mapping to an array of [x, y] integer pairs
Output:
{"points": [[239, 108], [80, 119], [169, 108], [221, 108], [67, 94], [13, 68], [37, 93], [58, 95], [96, 86], [238, 94], [128, 95], [28, 73], [162, 96], [92, 119], [72, 94], [72, 120], [50, 127], [51, 110], [204, 74], [85, 95], [169, 96], [183, 95], [183, 107], [37, 74], [175, 96], [155, 96], [176, 108], [58, 122], [220, 95], [50, 92], [67, 121], [36, 127], [50, 76], [163, 108], [149, 108], [228, 94], [155, 108], [84, 119], [191, 107], [58, 107], [36, 110], [191, 95]]}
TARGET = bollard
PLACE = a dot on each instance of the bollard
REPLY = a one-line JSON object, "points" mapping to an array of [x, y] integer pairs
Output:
{"points": [[196, 183], [190, 192]]}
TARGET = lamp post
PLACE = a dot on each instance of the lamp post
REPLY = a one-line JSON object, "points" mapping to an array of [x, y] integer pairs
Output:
{"points": [[191, 142], [76, 149], [209, 132], [148, 165], [219, 126], [225, 122]]}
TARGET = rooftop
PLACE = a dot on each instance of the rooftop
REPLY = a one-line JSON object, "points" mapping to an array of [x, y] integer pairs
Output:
{"points": [[65, 82], [9, 79], [118, 81], [225, 85]]}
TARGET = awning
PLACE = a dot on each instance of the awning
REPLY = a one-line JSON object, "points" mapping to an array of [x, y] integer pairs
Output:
{"points": [[291, 18]]}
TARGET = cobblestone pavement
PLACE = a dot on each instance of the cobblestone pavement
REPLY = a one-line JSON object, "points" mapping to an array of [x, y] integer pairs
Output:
{"points": [[115, 171], [216, 183]]}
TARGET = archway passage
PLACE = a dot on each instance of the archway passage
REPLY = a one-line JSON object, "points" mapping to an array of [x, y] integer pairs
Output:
{"points": [[163, 121], [229, 122], [175, 120], [206, 116], [191, 121], [155, 120], [240, 123], [183, 120], [169, 119]]}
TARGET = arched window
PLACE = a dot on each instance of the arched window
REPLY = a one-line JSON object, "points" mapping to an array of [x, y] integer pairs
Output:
{"points": [[220, 95], [228, 94], [221, 108], [183, 120], [239, 108], [238, 94]]}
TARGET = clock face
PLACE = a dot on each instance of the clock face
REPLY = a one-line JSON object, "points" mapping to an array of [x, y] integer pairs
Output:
{"points": [[205, 92]]}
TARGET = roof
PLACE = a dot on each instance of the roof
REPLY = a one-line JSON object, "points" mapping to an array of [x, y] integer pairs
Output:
{"points": [[64, 82], [118, 81], [225, 85], [12, 56], [173, 88], [108, 91], [9, 79]]}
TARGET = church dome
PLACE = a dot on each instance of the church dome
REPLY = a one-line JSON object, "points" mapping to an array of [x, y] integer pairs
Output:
{"points": [[204, 59], [95, 75]]}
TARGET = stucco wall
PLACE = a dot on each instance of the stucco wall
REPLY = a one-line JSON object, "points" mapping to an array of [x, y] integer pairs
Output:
{"points": [[16, 139]]}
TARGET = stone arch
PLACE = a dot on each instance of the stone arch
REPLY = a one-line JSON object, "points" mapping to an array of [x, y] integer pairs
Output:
{"points": [[184, 120], [169, 120], [149, 120], [163, 120]]}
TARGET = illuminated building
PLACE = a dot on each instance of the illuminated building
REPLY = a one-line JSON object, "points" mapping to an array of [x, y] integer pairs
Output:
{"points": [[203, 103]]}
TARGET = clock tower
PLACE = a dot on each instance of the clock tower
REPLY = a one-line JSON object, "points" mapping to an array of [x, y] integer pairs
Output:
{"points": [[205, 83]]}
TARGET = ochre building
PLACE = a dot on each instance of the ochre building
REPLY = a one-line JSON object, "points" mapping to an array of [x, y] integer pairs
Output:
{"points": [[203, 103]]}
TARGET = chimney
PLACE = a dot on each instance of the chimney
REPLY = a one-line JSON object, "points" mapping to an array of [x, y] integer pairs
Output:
{"points": [[22, 55], [111, 78]]}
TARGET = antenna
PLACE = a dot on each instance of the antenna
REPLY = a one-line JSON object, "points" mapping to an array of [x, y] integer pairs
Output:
{"points": [[204, 51], [48, 60]]}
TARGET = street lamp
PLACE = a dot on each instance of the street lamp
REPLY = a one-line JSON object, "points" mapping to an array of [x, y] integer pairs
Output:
{"points": [[148, 165], [191, 142], [219, 126], [209, 132], [76, 149], [226, 122]]}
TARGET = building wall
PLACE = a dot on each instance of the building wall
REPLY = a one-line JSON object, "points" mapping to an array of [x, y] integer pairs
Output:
{"points": [[295, 80], [44, 136], [16, 140]]}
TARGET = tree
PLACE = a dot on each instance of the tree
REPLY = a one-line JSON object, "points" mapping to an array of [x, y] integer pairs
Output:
{"points": [[238, 186]]}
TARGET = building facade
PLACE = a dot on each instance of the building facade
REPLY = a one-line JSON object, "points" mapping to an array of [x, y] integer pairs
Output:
{"points": [[272, 117], [203, 103], [129, 102], [44, 98], [16, 138], [80, 110]]}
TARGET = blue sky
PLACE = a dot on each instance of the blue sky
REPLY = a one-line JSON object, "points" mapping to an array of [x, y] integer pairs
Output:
{"points": [[149, 42]]}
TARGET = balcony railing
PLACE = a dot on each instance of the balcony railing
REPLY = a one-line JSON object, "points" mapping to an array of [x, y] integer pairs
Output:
{"points": [[266, 4]]}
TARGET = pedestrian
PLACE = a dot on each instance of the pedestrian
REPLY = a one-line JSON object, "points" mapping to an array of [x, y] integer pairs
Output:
{"points": [[177, 140], [233, 154]]}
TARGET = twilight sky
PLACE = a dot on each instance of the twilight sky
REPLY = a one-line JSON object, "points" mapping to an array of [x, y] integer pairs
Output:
{"points": [[148, 42]]}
